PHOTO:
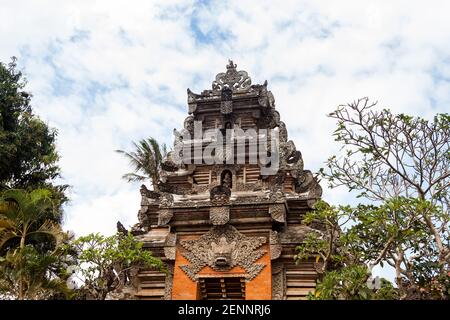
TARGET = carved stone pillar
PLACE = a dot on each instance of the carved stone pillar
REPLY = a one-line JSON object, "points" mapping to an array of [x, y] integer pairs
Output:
{"points": [[278, 281]]}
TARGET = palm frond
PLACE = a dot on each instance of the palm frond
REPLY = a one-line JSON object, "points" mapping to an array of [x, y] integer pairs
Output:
{"points": [[145, 160], [134, 177], [51, 229]]}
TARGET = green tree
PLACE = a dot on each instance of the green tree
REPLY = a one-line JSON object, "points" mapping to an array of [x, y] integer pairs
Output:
{"points": [[340, 256], [146, 161], [106, 262], [28, 156], [388, 156], [401, 165], [30, 244]]}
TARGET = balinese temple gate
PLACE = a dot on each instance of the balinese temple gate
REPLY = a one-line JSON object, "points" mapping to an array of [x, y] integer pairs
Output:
{"points": [[227, 230]]}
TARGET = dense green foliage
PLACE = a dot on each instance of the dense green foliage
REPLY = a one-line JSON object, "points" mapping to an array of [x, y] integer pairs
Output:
{"points": [[31, 255], [106, 262], [401, 166], [28, 156]]}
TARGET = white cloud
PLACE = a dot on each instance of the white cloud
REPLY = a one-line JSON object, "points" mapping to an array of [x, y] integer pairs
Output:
{"points": [[108, 72]]}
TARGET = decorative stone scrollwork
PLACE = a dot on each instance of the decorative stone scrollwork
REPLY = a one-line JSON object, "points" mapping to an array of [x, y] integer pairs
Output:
{"points": [[307, 183], [263, 95], [278, 281], [146, 193], [226, 105], [164, 216], [197, 188], [249, 186], [166, 200], [220, 195], [169, 282], [169, 164], [222, 248], [278, 212], [189, 125], [219, 215], [170, 246], [275, 245], [237, 81], [283, 134], [276, 194], [192, 97], [269, 119]]}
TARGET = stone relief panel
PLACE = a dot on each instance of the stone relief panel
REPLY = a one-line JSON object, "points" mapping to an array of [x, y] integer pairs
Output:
{"points": [[222, 248], [219, 215], [168, 282], [278, 212], [170, 246], [278, 281], [164, 216], [275, 245]]}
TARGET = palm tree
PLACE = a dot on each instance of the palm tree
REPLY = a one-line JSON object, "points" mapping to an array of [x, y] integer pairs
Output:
{"points": [[146, 161], [26, 231]]}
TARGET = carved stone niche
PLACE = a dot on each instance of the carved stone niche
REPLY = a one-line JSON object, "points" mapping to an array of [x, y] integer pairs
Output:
{"points": [[222, 248], [219, 215]]}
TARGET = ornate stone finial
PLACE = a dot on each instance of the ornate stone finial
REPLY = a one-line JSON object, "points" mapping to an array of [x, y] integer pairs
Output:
{"points": [[237, 81], [231, 65]]}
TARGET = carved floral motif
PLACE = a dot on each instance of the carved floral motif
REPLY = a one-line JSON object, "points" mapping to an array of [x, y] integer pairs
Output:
{"points": [[275, 245], [278, 281], [219, 215], [164, 216], [278, 212], [222, 248]]}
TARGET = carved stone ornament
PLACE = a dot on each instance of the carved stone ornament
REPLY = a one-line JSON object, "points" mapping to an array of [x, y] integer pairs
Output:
{"points": [[278, 281], [226, 107], [275, 245], [164, 216], [222, 248], [170, 246], [220, 195], [219, 215], [166, 200], [308, 183], [189, 124], [278, 212], [192, 101], [168, 282], [237, 81]]}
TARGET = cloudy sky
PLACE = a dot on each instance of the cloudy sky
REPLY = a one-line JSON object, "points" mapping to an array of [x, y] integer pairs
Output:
{"points": [[105, 73]]}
